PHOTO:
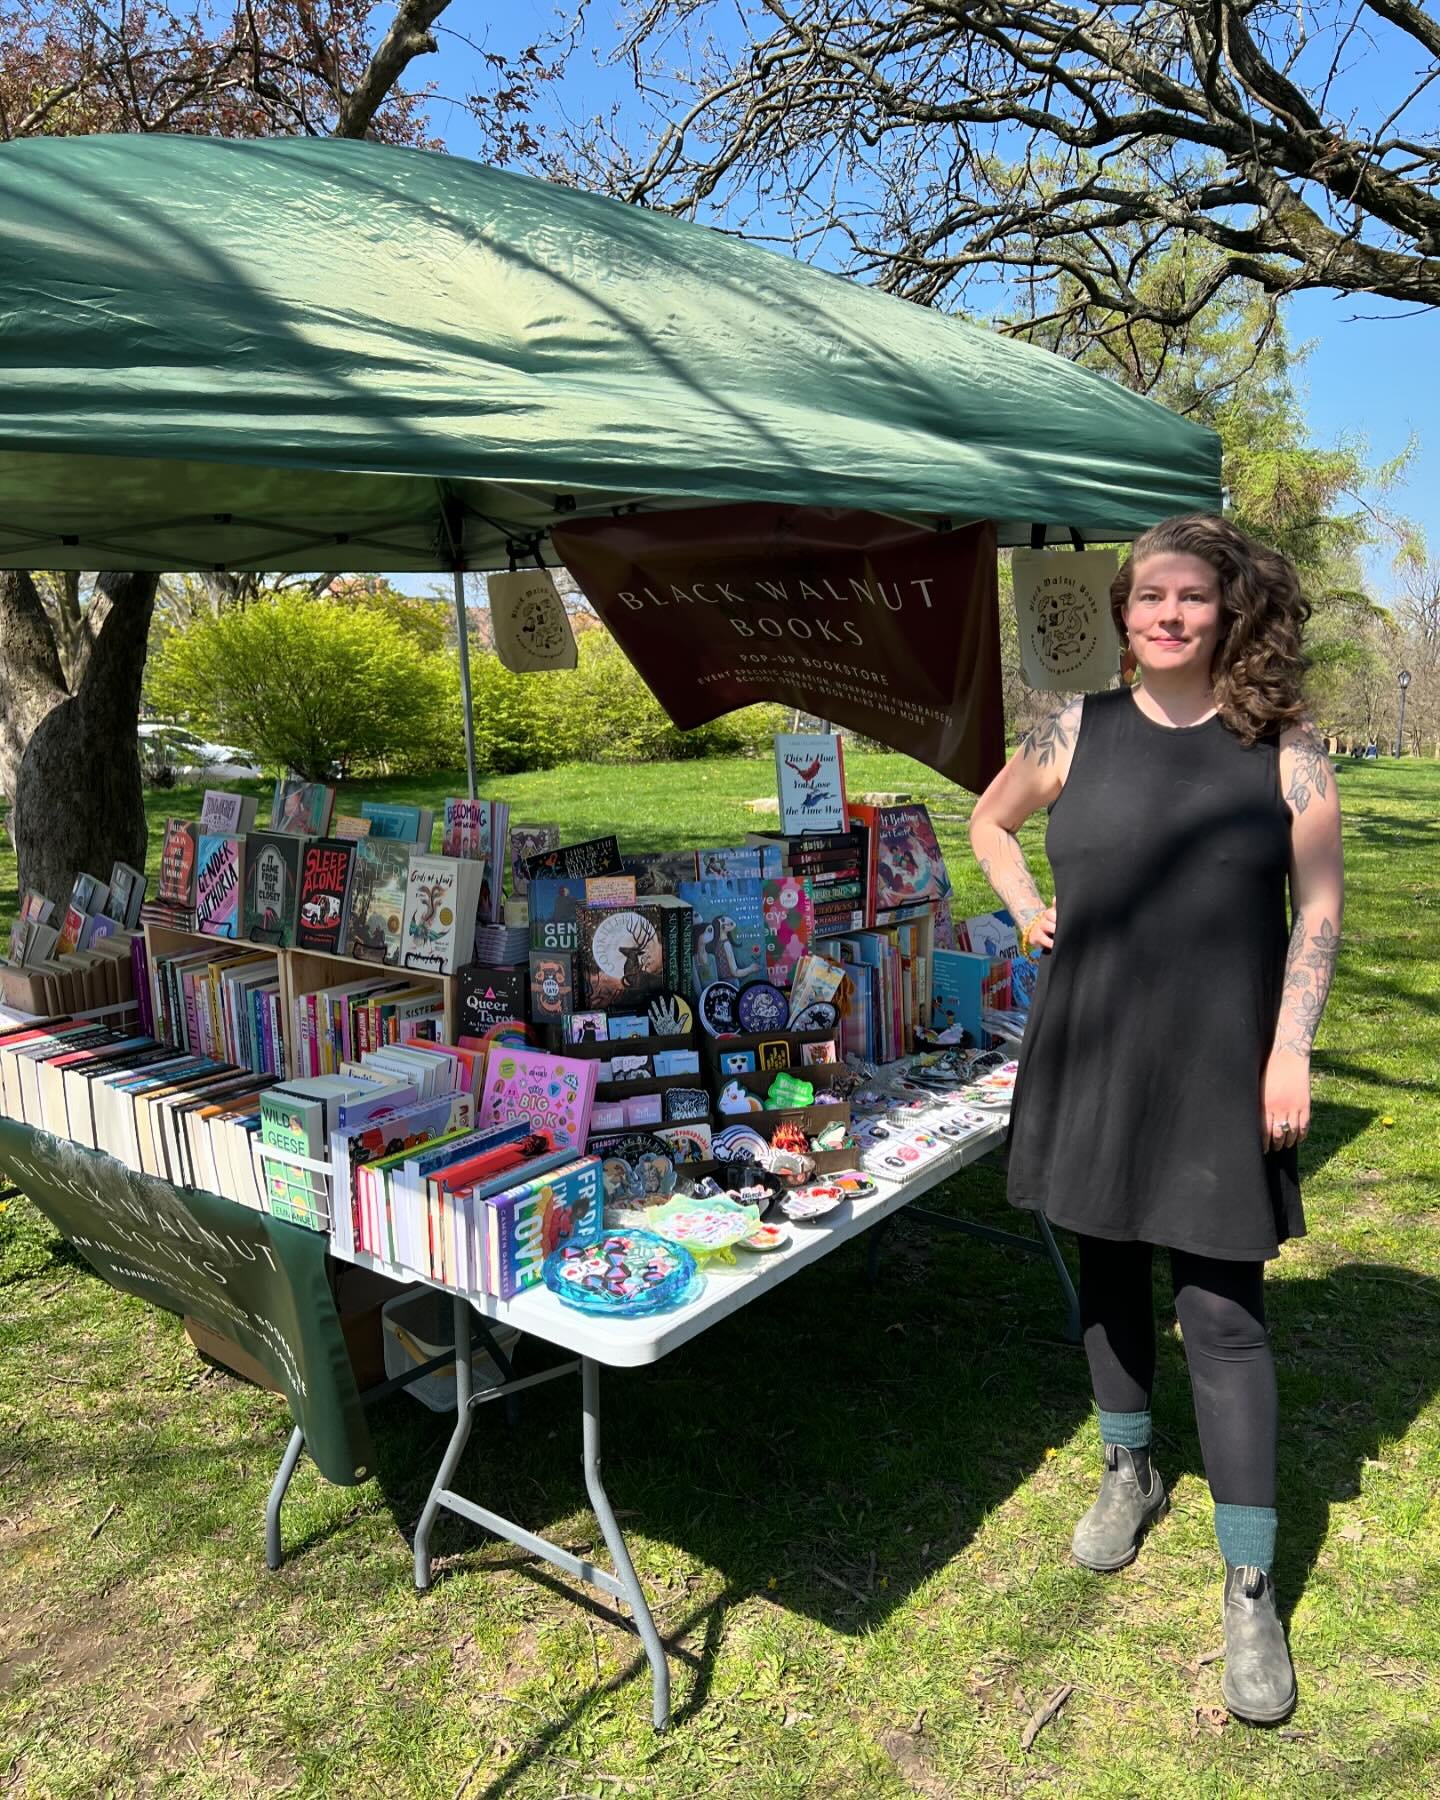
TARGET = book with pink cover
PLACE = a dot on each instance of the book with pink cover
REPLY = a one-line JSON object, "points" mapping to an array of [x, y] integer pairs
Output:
{"points": [[555, 1093]]}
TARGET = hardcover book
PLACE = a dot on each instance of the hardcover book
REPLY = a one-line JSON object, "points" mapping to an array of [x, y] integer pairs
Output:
{"points": [[272, 887], [224, 812], [527, 841], [347, 825], [376, 912], [555, 1093], [905, 865], [177, 865], [407, 824], [527, 1222], [622, 955], [727, 930], [597, 856], [810, 773], [217, 884], [554, 913], [302, 807], [324, 889]]}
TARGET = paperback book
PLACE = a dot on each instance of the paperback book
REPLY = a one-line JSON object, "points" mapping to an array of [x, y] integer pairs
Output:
{"points": [[176, 890], [302, 807], [597, 856], [526, 841], [271, 887], [127, 895], [217, 884], [224, 812], [376, 912], [442, 895], [727, 930], [324, 889], [405, 824]]}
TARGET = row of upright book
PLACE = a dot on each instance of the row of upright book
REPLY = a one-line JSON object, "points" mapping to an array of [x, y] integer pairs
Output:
{"points": [[407, 1155]]}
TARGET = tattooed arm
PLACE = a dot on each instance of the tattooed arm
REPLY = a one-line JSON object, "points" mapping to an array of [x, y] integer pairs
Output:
{"points": [[1031, 779], [1317, 892]]}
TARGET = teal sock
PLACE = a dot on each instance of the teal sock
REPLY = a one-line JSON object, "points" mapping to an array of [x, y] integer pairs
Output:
{"points": [[1130, 1430], [1246, 1535]]}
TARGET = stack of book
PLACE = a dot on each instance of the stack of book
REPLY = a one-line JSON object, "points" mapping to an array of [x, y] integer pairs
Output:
{"points": [[834, 865]]}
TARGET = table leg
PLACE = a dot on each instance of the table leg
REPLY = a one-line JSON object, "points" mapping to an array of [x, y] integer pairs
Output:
{"points": [[278, 1487], [615, 1540], [1067, 1286], [454, 1450]]}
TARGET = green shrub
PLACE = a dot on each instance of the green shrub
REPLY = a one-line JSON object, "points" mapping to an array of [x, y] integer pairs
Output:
{"points": [[305, 683]]}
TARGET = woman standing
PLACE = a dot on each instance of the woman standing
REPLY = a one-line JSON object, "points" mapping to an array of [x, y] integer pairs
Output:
{"points": [[1164, 1083]]}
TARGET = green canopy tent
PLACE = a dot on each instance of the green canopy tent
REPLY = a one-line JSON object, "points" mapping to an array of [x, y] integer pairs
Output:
{"points": [[308, 353]]}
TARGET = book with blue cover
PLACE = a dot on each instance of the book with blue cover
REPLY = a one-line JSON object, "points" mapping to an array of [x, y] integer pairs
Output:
{"points": [[727, 930]]}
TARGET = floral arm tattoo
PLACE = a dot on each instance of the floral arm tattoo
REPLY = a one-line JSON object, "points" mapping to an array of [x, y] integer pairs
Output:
{"points": [[1006, 869], [1009, 874], [1315, 939], [1309, 967], [1310, 774]]}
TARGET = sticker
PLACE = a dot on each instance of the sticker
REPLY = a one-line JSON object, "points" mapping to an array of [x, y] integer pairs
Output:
{"points": [[671, 1016], [774, 1053], [739, 1143], [734, 1099], [717, 1008], [820, 1015], [737, 1062], [762, 1007]]}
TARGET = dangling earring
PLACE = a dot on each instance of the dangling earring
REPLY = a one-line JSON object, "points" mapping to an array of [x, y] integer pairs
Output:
{"points": [[1129, 666]]}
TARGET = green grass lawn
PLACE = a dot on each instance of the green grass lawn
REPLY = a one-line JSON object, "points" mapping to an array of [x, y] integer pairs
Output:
{"points": [[851, 1508]]}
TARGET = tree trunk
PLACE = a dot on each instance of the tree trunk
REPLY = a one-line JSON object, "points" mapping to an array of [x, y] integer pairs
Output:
{"points": [[77, 798]]}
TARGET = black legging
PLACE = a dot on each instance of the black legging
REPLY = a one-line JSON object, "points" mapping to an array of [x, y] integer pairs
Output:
{"points": [[1221, 1307]]}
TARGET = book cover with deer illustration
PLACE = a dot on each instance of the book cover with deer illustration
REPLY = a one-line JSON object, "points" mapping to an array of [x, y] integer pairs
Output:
{"points": [[324, 887], [622, 955], [810, 774]]}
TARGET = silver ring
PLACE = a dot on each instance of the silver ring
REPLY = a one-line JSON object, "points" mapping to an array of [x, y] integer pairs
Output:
{"points": [[1284, 1124]]}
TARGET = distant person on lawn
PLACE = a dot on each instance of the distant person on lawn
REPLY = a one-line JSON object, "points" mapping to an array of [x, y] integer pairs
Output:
{"points": [[1164, 1083]]}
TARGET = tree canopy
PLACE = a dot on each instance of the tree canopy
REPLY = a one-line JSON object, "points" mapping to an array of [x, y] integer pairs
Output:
{"points": [[937, 145]]}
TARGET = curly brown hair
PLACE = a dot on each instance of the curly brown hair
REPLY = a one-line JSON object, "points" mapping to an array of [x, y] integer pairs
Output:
{"points": [[1259, 666]]}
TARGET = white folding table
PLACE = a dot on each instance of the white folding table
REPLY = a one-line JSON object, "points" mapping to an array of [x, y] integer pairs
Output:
{"points": [[629, 1344]]}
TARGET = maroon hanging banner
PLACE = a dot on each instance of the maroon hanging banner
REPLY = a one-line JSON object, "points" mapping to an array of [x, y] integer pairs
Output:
{"points": [[888, 629]]}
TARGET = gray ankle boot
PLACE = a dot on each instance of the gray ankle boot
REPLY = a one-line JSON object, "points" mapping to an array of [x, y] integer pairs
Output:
{"points": [[1259, 1684], [1109, 1535]]}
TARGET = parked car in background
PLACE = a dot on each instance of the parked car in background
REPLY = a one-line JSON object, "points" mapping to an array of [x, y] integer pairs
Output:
{"points": [[171, 754]]}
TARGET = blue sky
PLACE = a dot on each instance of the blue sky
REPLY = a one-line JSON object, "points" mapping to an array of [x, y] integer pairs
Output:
{"points": [[1373, 372]]}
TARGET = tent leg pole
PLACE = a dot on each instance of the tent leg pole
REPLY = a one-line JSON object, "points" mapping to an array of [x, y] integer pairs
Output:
{"points": [[466, 700]]}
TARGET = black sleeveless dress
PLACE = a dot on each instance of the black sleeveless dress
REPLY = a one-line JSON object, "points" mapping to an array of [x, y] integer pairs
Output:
{"points": [[1137, 1105]]}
